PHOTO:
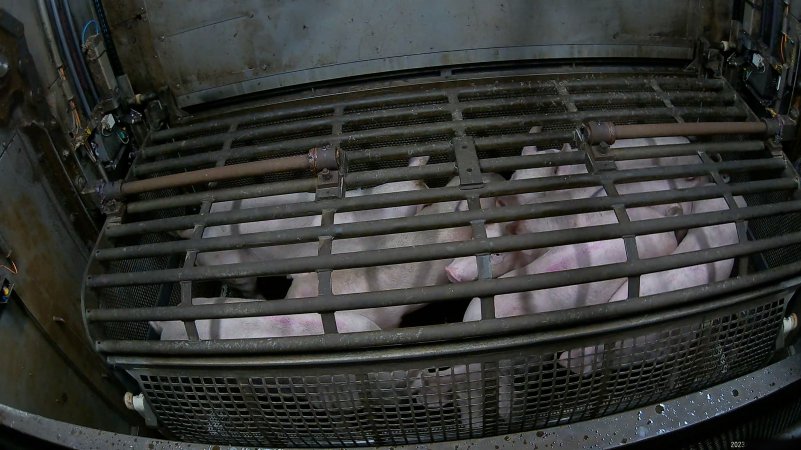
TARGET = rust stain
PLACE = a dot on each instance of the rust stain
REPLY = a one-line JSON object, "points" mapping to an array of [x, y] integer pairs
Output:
{"points": [[46, 281]]}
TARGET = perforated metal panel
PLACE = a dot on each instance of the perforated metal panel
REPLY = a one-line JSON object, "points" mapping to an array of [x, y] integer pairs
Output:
{"points": [[422, 402]]}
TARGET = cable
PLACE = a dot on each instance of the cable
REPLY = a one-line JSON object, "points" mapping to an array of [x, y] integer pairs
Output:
{"points": [[14, 270], [73, 71], [86, 27], [77, 52]]}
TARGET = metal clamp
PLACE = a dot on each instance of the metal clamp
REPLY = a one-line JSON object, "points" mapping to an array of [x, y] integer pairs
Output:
{"points": [[321, 158]]}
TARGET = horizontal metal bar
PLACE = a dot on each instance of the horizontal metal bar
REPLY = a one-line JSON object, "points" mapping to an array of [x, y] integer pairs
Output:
{"points": [[439, 251], [352, 180], [699, 98], [472, 82], [472, 289], [436, 195], [283, 111], [294, 127], [608, 84], [405, 337], [222, 124], [234, 171], [427, 129], [436, 148], [421, 93], [381, 176], [477, 106], [664, 82], [401, 151], [660, 151], [428, 148], [438, 221], [235, 193], [237, 153], [476, 125], [519, 140], [511, 163]]}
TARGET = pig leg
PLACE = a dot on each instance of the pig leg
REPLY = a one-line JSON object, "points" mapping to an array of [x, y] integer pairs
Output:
{"points": [[462, 385]]}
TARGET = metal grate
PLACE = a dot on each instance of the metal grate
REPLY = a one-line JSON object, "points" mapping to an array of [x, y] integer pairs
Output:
{"points": [[457, 380], [415, 403]]}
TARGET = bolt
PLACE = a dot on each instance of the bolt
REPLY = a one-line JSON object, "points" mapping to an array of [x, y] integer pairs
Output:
{"points": [[603, 148], [3, 65], [326, 174], [128, 400]]}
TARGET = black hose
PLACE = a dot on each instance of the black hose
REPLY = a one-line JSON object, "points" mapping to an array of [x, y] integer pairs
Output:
{"points": [[78, 51], [62, 44], [111, 51], [771, 24]]}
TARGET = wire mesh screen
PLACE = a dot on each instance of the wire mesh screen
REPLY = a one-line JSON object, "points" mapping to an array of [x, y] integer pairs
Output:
{"points": [[492, 394]]}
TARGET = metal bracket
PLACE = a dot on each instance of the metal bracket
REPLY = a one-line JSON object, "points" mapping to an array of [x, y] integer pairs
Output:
{"points": [[775, 148], [464, 149], [330, 184], [599, 158]]}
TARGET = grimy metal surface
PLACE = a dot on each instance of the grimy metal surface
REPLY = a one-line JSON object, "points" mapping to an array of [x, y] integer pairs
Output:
{"points": [[48, 253], [445, 381], [637, 425], [252, 45]]}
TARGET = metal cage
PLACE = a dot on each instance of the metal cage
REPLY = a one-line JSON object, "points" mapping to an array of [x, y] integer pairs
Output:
{"points": [[445, 381]]}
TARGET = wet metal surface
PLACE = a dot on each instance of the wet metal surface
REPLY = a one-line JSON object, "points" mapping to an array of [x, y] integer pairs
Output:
{"points": [[641, 424]]}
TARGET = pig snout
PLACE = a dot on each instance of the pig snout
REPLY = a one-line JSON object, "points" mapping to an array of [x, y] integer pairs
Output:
{"points": [[460, 269]]}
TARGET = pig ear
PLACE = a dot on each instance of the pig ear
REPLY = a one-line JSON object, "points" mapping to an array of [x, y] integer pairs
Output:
{"points": [[529, 150]]}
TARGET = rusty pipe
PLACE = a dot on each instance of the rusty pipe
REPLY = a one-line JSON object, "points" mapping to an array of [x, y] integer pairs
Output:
{"points": [[315, 160], [297, 162], [596, 132]]}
